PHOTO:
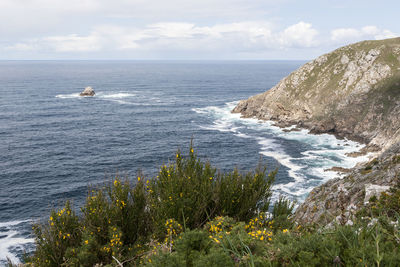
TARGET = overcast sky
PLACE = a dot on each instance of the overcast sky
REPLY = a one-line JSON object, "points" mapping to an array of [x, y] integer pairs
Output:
{"points": [[189, 29]]}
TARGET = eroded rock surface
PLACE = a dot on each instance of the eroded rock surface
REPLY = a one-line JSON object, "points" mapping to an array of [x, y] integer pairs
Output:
{"points": [[87, 92], [352, 92], [340, 198]]}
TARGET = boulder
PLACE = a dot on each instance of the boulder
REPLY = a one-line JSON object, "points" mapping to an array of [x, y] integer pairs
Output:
{"points": [[374, 190], [87, 92]]}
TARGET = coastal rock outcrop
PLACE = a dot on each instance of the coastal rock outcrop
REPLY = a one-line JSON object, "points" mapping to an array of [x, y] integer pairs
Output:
{"points": [[87, 92], [340, 198], [352, 92]]}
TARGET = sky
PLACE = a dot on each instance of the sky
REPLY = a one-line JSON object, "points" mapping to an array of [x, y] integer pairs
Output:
{"points": [[189, 29]]}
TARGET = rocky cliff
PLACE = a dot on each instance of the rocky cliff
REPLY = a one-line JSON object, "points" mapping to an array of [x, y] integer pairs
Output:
{"points": [[339, 199], [352, 92]]}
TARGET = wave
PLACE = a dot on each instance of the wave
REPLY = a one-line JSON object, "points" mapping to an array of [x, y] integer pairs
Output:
{"points": [[307, 168], [105, 95], [118, 95], [12, 241], [121, 97], [74, 95]]}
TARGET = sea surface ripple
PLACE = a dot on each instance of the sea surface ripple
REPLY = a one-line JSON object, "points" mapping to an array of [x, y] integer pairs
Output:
{"points": [[54, 144]]}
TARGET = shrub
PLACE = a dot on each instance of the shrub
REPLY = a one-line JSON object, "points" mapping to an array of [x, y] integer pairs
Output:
{"points": [[129, 222], [282, 214], [193, 215], [193, 192], [61, 232]]}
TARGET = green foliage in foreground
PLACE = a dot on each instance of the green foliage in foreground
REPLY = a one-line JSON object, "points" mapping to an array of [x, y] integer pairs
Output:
{"points": [[123, 220], [193, 215]]}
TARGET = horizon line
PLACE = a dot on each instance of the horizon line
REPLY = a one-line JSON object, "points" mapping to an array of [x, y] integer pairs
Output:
{"points": [[155, 60]]}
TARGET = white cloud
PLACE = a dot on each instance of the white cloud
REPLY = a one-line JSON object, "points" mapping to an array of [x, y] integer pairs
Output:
{"points": [[164, 29], [299, 35], [45, 16], [21, 47], [340, 35], [245, 36], [350, 35], [74, 43], [370, 30]]}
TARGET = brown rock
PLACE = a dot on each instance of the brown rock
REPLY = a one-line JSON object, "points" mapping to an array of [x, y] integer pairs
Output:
{"points": [[87, 92]]}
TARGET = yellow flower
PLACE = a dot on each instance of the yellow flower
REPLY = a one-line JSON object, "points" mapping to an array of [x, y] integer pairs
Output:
{"points": [[138, 178], [285, 230], [51, 218], [86, 242], [115, 182], [191, 150]]}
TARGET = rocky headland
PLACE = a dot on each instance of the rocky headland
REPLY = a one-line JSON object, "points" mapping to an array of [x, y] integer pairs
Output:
{"points": [[352, 92]]}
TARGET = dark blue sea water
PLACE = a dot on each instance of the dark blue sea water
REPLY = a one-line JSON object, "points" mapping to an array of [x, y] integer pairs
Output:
{"points": [[53, 143]]}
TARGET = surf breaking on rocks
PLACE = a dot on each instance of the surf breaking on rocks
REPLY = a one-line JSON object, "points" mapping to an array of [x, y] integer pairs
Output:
{"points": [[305, 157]]}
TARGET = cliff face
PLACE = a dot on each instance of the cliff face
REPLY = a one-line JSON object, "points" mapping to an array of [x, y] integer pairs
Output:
{"points": [[339, 199], [352, 92]]}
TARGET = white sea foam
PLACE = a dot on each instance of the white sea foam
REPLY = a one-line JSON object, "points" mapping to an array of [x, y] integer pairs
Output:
{"points": [[74, 95], [121, 97], [102, 95], [118, 95], [12, 223], [320, 153], [10, 239], [270, 149]]}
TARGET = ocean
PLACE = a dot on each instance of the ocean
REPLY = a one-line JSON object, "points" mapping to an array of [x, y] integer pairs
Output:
{"points": [[54, 144]]}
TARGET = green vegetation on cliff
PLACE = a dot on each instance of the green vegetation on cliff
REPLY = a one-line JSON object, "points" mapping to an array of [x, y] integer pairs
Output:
{"points": [[353, 92]]}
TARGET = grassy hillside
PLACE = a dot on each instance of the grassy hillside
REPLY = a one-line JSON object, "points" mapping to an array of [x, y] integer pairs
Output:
{"points": [[352, 92]]}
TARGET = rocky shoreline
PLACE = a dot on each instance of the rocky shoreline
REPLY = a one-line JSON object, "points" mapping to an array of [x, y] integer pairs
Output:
{"points": [[354, 93], [341, 197]]}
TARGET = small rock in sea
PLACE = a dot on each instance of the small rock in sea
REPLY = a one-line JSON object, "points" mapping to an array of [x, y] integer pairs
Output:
{"points": [[87, 92]]}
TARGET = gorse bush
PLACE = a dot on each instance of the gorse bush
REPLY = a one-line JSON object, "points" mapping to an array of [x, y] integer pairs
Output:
{"points": [[191, 214], [193, 192], [114, 220], [54, 239], [123, 220]]}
